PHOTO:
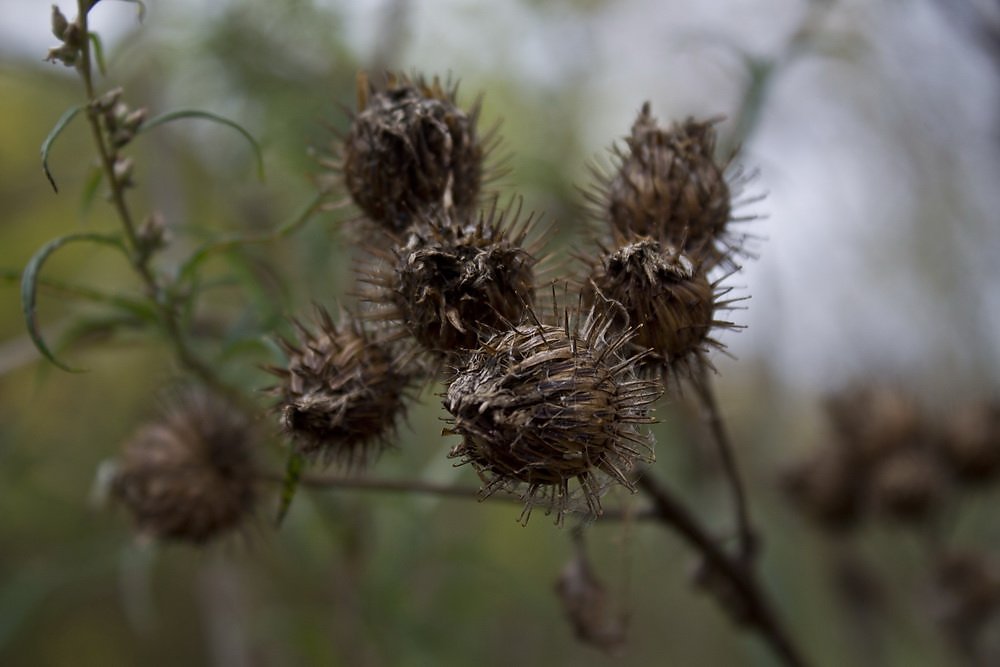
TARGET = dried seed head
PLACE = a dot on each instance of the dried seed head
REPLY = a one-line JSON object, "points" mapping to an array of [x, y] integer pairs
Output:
{"points": [[966, 595], [875, 420], [342, 392], [828, 487], [588, 605], [543, 405], [882, 455], [189, 475], [59, 23], [454, 282], [410, 148], [71, 36], [669, 186], [908, 485], [666, 296], [971, 443]]}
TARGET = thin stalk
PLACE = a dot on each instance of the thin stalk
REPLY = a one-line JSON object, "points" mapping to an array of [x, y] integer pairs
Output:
{"points": [[139, 260], [117, 191], [717, 427], [421, 487], [755, 607]]}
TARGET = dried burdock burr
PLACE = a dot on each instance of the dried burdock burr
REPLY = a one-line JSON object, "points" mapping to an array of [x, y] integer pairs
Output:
{"points": [[539, 406], [971, 442], [666, 296], [966, 598], [454, 280], [875, 420], [341, 392], [189, 475], [908, 485], [667, 184], [410, 148], [828, 487], [882, 455]]}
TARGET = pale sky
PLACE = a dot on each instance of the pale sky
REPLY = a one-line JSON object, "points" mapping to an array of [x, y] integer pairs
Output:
{"points": [[851, 147]]}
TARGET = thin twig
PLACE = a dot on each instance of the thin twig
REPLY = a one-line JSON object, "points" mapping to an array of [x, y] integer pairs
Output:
{"points": [[747, 538], [755, 608], [441, 490], [139, 260], [93, 118]]}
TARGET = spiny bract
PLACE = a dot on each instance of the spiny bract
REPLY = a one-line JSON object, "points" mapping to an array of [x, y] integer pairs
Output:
{"points": [[454, 281], [541, 405], [341, 392], [189, 475], [410, 148]]}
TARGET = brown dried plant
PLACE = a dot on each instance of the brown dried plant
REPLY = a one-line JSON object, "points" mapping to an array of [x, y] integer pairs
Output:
{"points": [[552, 408]]}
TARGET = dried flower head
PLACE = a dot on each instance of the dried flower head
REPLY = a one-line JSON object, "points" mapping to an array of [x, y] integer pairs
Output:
{"points": [[882, 455], [665, 295], [971, 442], [411, 148], [907, 485], [342, 391], [541, 405], [668, 185], [875, 420], [828, 487], [455, 281], [189, 475], [966, 599]]}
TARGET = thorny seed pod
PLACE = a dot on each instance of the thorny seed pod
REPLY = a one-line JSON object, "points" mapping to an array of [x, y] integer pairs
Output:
{"points": [[875, 421], [828, 488], [907, 485], [966, 597], [189, 475], [971, 443], [666, 296], [541, 405], [454, 282], [668, 185], [410, 148], [341, 391]]}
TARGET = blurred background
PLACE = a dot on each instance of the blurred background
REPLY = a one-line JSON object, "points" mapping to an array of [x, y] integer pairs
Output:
{"points": [[874, 130]]}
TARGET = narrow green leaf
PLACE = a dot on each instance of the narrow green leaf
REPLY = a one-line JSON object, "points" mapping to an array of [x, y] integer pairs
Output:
{"points": [[29, 285], [53, 135], [207, 115], [90, 188], [261, 282], [293, 472], [98, 49], [95, 329], [138, 308], [228, 243]]}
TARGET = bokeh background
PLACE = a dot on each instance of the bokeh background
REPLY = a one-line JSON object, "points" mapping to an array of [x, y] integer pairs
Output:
{"points": [[874, 127]]}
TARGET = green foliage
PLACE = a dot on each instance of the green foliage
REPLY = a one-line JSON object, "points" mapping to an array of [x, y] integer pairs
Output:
{"points": [[180, 114], [50, 139], [29, 285]]}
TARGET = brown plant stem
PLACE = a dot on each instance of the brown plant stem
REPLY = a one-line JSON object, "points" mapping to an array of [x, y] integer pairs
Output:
{"points": [[754, 605], [717, 427], [437, 489], [139, 260], [755, 608]]}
